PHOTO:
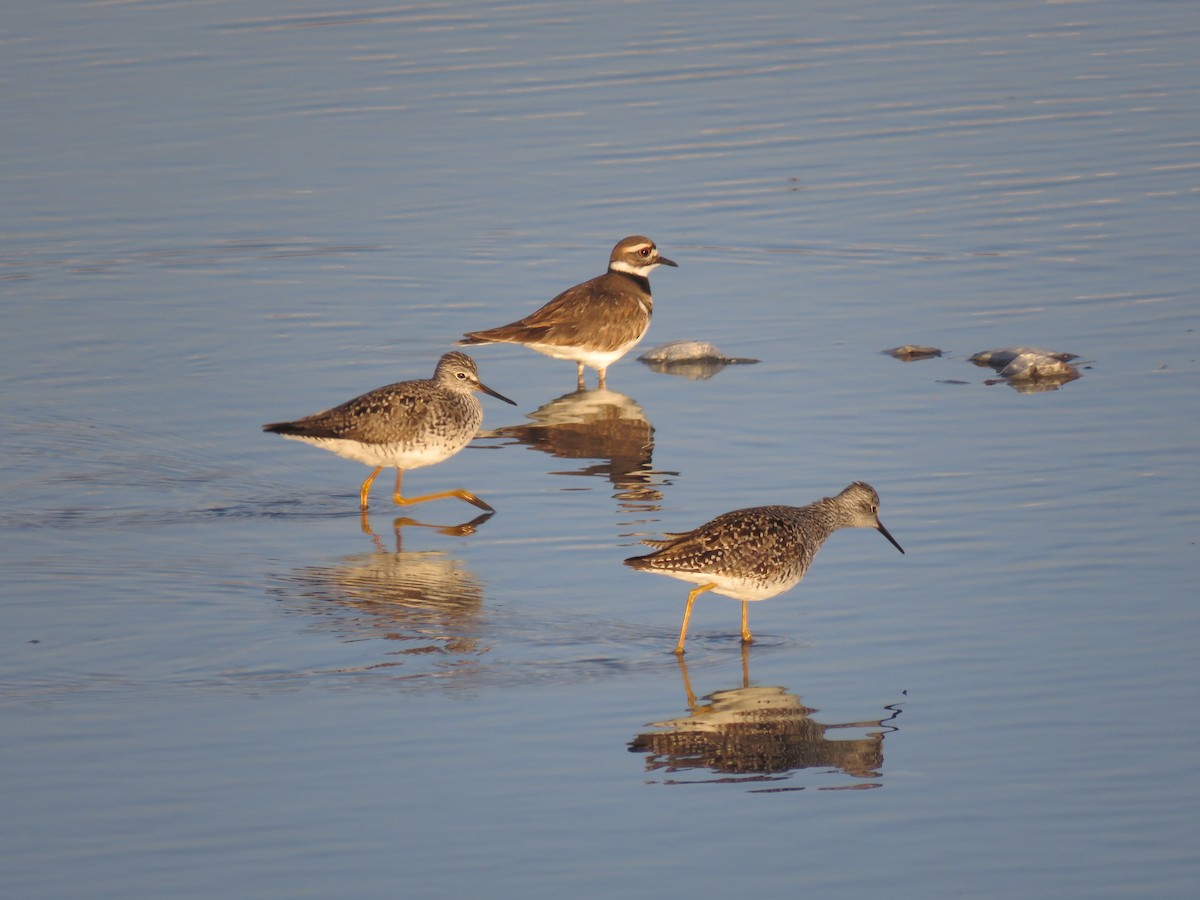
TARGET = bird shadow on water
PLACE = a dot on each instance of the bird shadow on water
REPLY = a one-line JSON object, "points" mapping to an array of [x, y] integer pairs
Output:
{"points": [[601, 425], [413, 615], [425, 617], [758, 733], [421, 601]]}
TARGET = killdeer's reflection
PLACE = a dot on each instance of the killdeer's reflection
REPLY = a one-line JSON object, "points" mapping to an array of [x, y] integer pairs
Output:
{"points": [[600, 425], [425, 600], [758, 733]]}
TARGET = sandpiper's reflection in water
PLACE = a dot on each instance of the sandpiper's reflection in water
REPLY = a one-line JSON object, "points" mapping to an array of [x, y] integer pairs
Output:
{"points": [[461, 530], [601, 425], [424, 599], [758, 733]]}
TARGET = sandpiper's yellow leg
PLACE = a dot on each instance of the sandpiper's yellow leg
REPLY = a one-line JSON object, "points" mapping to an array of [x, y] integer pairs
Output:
{"points": [[366, 488], [580, 384], [459, 493], [687, 612], [747, 637], [603, 377]]}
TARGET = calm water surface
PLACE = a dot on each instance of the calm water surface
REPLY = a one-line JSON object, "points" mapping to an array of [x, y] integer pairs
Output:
{"points": [[216, 683]]}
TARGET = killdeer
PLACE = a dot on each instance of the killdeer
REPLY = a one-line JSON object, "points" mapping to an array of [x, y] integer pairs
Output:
{"points": [[407, 425], [594, 323]]}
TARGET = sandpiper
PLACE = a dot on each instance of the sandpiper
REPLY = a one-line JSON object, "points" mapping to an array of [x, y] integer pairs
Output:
{"points": [[594, 323], [407, 425], [758, 553]]}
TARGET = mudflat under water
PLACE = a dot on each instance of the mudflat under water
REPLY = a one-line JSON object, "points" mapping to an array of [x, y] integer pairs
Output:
{"points": [[214, 681]]}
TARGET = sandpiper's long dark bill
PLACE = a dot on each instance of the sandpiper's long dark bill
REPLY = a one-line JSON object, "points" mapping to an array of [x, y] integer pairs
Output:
{"points": [[594, 323], [407, 425], [758, 553]]}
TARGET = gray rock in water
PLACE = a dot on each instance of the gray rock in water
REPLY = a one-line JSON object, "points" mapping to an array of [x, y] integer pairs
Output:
{"points": [[690, 351], [1034, 371], [690, 359], [998, 359], [1036, 365], [911, 352]]}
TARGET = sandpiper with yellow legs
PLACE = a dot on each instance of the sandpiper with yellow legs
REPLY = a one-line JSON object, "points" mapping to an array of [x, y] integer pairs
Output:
{"points": [[758, 553], [407, 425]]}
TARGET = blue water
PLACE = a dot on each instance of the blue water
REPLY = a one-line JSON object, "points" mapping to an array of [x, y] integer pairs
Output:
{"points": [[222, 214]]}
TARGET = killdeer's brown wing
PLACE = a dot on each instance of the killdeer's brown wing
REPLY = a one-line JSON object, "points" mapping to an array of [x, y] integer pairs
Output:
{"points": [[604, 313]]}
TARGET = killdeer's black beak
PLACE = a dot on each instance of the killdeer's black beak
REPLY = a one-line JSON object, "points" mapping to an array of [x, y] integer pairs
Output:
{"points": [[887, 534], [487, 390], [667, 262]]}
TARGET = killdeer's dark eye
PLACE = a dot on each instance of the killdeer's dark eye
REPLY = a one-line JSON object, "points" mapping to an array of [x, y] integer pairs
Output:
{"points": [[645, 251]]}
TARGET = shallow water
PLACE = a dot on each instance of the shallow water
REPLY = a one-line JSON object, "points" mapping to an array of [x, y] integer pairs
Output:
{"points": [[218, 215]]}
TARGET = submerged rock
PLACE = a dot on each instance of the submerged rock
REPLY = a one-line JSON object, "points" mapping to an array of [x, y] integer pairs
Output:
{"points": [[691, 359], [690, 351], [1033, 365], [1028, 370], [998, 359], [911, 352]]}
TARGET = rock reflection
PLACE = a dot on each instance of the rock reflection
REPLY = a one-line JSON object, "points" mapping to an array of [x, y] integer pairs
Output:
{"points": [[758, 733], [426, 600], [1036, 384], [694, 369], [601, 425]]}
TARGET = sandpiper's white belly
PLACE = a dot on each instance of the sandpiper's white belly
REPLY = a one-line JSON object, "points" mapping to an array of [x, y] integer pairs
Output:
{"points": [[732, 586], [402, 456]]}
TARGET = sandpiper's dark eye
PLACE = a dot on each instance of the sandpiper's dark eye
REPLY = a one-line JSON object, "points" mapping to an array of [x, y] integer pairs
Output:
{"points": [[460, 375]]}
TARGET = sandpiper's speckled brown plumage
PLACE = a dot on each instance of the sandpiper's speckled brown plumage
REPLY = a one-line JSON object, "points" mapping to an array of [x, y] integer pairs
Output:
{"points": [[407, 425], [594, 323], [757, 553]]}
